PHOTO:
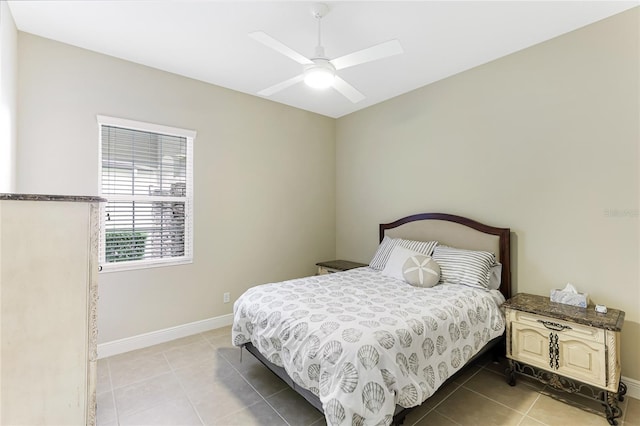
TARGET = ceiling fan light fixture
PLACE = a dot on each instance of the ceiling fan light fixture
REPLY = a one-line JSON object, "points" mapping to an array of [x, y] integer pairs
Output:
{"points": [[321, 75]]}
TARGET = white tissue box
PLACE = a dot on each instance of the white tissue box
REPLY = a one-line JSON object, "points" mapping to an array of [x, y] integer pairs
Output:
{"points": [[580, 300]]}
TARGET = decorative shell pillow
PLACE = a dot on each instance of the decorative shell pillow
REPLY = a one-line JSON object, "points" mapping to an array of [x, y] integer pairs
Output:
{"points": [[412, 267]]}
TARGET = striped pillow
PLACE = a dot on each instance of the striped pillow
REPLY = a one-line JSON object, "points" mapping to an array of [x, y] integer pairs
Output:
{"points": [[381, 257], [468, 267]]}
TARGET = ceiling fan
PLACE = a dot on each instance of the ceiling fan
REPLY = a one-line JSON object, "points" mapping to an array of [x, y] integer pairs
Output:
{"points": [[320, 71]]}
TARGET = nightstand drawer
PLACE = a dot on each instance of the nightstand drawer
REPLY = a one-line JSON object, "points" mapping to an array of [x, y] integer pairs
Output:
{"points": [[564, 328]]}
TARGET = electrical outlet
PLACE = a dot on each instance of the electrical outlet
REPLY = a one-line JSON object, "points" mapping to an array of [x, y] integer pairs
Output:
{"points": [[225, 298]]}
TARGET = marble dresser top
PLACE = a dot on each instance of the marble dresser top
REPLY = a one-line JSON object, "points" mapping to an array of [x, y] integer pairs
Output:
{"points": [[541, 305], [41, 197]]}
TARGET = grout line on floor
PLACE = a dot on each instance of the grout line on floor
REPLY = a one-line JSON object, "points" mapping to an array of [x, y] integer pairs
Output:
{"points": [[247, 381], [184, 391], [113, 394], [494, 401], [438, 404], [447, 417], [531, 407], [522, 382]]}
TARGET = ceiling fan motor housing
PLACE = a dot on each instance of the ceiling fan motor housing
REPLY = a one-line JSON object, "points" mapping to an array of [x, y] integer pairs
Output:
{"points": [[320, 75]]}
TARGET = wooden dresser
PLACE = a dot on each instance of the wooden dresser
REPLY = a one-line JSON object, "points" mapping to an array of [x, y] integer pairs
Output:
{"points": [[48, 291]]}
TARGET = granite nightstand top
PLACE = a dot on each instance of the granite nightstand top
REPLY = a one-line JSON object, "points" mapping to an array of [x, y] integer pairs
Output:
{"points": [[341, 265], [41, 197], [541, 305]]}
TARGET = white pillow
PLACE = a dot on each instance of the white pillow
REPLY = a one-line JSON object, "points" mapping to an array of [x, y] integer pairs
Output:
{"points": [[381, 257], [495, 277], [412, 267]]}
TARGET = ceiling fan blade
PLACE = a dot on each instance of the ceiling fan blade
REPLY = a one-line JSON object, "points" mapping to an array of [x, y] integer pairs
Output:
{"points": [[347, 90], [373, 53], [271, 42], [280, 86]]}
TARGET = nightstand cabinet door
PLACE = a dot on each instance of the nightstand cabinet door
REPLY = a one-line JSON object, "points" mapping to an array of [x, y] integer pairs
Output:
{"points": [[530, 345], [582, 360]]}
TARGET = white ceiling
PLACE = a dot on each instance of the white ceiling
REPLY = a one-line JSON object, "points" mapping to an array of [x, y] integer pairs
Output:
{"points": [[207, 40]]}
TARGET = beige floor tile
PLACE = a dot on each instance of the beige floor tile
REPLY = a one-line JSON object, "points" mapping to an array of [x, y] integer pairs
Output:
{"points": [[528, 421], [187, 340], [104, 377], [263, 380], [434, 419], [220, 340], [138, 353], [184, 355], [484, 360], [443, 393], [217, 399], [499, 367], [232, 354], [146, 394], [587, 403], [136, 367], [320, 422], [106, 409], [199, 375], [553, 412], [259, 414], [177, 412], [293, 408], [493, 386], [469, 408], [632, 411], [466, 373], [222, 331]]}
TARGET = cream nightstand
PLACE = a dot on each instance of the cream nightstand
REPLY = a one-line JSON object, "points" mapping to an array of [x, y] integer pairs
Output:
{"points": [[332, 266], [570, 348]]}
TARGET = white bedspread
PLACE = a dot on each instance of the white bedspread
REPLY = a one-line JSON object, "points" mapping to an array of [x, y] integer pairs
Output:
{"points": [[364, 342]]}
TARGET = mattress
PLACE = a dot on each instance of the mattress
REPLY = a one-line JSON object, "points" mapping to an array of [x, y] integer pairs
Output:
{"points": [[363, 342]]}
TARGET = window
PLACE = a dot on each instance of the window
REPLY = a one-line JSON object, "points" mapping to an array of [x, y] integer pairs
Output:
{"points": [[146, 176]]}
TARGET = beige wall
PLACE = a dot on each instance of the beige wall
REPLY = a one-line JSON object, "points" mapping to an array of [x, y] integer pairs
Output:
{"points": [[8, 98], [264, 178], [544, 141]]}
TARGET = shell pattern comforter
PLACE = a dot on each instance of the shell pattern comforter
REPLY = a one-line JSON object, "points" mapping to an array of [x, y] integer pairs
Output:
{"points": [[363, 342]]}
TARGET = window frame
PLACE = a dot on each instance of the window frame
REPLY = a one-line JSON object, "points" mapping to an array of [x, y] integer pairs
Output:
{"points": [[190, 136]]}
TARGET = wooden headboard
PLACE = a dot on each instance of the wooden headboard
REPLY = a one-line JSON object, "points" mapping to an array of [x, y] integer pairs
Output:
{"points": [[456, 231]]}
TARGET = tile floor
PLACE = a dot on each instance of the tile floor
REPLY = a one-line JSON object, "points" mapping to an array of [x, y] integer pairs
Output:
{"points": [[199, 380]]}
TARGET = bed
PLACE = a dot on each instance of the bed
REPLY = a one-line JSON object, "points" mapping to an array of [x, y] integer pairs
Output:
{"points": [[363, 346]]}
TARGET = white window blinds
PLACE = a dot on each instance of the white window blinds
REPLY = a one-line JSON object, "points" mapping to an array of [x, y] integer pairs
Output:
{"points": [[147, 178]]}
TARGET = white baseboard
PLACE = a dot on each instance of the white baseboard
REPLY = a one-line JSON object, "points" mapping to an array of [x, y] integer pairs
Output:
{"points": [[160, 336], [633, 387]]}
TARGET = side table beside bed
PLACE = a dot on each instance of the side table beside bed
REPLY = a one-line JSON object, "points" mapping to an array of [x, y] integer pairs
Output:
{"points": [[573, 349]]}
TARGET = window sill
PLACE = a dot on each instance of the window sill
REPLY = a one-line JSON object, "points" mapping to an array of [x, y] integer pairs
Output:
{"points": [[136, 265]]}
